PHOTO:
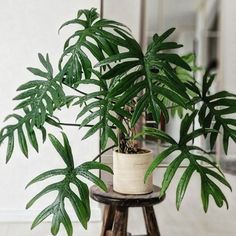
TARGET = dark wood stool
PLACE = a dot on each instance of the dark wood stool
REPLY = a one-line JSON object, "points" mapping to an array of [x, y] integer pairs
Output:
{"points": [[115, 216]]}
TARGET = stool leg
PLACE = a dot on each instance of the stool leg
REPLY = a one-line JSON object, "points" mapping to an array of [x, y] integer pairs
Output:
{"points": [[108, 217], [150, 221], [120, 221]]}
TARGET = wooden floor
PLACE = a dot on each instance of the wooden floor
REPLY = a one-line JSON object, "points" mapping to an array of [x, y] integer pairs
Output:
{"points": [[190, 220]]}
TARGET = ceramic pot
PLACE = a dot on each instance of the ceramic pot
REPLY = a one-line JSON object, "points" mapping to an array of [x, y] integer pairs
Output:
{"points": [[129, 171]]}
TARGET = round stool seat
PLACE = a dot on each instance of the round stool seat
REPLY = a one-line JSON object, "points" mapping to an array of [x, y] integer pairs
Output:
{"points": [[126, 200]]}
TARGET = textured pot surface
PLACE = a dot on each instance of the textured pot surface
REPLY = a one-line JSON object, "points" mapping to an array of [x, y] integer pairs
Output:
{"points": [[129, 171]]}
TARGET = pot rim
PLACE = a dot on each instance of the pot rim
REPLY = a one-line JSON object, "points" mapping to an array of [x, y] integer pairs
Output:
{"points": [[149, 151]]}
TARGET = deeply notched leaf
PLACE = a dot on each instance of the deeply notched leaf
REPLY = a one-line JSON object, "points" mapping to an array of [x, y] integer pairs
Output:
{"points": [[79, 200], [126, 73], [38, 99], [216, 111], [182, 150], [94, 37]]}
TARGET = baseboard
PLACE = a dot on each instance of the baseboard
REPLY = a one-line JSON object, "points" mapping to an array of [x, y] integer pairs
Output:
{"points": [[230, 157], [24, 216]]}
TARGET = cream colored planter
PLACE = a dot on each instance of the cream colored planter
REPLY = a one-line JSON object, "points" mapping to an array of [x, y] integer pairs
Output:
{"points": [[129, 171]]}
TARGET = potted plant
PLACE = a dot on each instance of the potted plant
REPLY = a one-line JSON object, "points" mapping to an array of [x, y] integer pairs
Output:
{"points": [[127, 82]]}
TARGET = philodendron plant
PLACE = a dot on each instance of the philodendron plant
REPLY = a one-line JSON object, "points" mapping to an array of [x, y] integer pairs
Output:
{"points": [[126, 83]]}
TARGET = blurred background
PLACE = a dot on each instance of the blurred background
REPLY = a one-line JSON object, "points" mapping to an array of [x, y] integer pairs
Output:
{"points": [[206, 28]]}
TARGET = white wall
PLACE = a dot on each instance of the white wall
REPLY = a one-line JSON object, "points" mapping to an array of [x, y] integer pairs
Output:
{"points": [[125, 11], [228, 52], [28, 27]]}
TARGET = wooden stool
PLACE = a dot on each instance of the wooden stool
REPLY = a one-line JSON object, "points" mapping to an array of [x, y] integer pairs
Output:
{"points": [[115, 216]]}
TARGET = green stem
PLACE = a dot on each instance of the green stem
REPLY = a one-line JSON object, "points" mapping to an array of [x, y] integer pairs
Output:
{"points": [[100, 154], [78, 125], [71, 124]]}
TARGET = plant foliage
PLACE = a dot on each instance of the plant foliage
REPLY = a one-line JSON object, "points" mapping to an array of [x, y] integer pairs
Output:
{"points": [[126, 82], [182, 150], [38, 99], [79, 199]]}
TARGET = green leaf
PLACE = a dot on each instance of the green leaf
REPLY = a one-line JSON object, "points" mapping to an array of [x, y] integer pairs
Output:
{"points": [[60, 149], [22, 142], [158, 159], [30, 84], [25, 94], [89, 107], [42, 216], [170, 83], [207, 82], [126, 82], [130, 94], [114, 58], [170, 172], [10, 148], [213, 136], [186, 123], [174, 59], [55, 225], [117, 123], [163, 109], [165, 35], [80, 208], [93, 130], [44, 133], [221, 94], [89, 96], [182, 185], [208, 120], [202, 114], [205, 159], [170, 73], [74, 21], [65, 220], [112, 135], [68, 150], [86, 64], [172, 96], [120, 69], [226, 141], [43, 61], [197, 133], [169, 45], [52, 122], [139, 109], [91, 117], [91, 165], [49, 188], [32, 137], [38, 72], [97, 53], [155, 109], [79, 199], [204, 193], [217, 194], [47, 175], [93, 178], [158, 134], [84, 195], [218, 177]]}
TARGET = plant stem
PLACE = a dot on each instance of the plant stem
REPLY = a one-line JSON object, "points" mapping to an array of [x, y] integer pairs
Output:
{"points": [[100, 154], [78, 125], [71, 124]]}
